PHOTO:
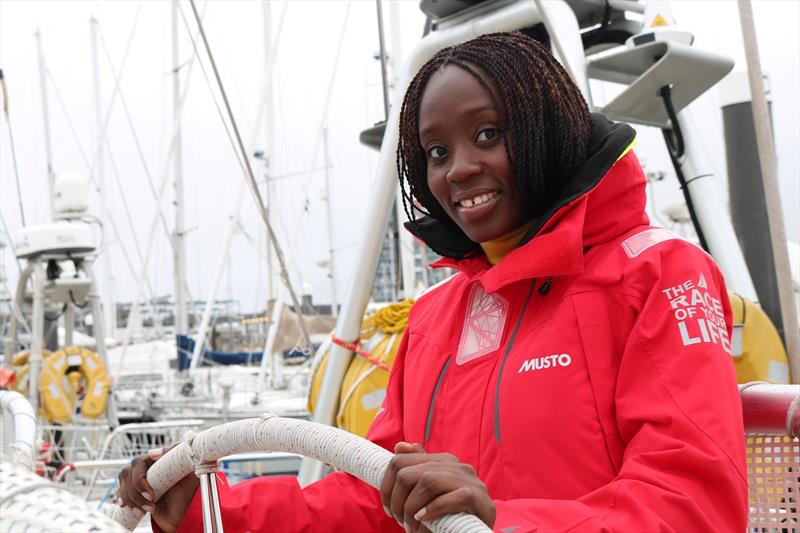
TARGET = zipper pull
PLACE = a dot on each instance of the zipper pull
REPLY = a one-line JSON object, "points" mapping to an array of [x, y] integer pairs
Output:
{"points": [[545, 288]]}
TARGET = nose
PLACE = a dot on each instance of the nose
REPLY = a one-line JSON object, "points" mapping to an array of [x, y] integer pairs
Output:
{"points": [[463, 166]]}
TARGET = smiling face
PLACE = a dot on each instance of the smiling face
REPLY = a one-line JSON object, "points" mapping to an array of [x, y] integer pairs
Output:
{"points": [[468, 170]]}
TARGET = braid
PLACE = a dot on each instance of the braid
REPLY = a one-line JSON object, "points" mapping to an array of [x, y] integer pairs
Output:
{"points": [[545, 116]]}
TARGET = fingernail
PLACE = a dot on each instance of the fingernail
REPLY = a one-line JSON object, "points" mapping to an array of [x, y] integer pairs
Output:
{"points": [[149, 508], [420, 513], [147, 497], [119, 502], [155, 453], [408, 529], [387, 511]]}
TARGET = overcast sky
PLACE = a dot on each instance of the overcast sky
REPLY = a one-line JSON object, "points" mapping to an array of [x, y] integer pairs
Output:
{"points": [[306, 66]]}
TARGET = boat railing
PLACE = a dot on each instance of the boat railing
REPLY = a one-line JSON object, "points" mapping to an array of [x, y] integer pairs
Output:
{"points": [[18, 428], [772, 442]]}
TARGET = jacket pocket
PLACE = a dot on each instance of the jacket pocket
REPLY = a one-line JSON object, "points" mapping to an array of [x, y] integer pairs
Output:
{"points": [[603, 326]]}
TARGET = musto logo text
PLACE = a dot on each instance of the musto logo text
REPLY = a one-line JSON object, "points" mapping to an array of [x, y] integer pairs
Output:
{"points": [[698, 314], [548, 361]]}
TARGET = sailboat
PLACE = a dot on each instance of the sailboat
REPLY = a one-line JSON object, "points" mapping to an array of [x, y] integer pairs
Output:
{"points": [[644, 56]]}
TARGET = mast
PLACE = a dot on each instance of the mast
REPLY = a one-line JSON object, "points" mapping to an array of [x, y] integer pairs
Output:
{"points": [[269, 143], [48, 145], [179, 247], [107, 288], [406, 242], [399, 286], [328, 203], [769, 172]]}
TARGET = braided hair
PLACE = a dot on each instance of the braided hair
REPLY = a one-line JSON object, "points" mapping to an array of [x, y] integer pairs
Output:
{"points": [[546, 122]]}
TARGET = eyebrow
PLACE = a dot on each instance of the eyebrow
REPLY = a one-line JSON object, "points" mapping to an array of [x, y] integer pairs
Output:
{"points": [[471, 111]]}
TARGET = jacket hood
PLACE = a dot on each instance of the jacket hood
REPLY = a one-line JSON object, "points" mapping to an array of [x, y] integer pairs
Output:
{"points": [[605, 199]]}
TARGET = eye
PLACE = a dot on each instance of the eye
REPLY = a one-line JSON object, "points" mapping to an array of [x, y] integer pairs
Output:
{"points": [[437, 152], [489, 134]]}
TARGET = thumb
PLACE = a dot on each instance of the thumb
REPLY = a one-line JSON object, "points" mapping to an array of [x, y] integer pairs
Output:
{"points": [[408, 447], [155, 454]]}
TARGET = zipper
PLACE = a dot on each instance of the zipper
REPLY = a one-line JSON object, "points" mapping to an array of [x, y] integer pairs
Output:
{"points": [[509, 346], [429, 419]]}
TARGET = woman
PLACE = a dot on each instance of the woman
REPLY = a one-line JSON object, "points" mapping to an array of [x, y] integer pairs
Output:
{"points": [[574, 375]]}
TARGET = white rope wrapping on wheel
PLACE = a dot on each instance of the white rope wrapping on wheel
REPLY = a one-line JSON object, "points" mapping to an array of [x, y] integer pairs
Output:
{"points": [[344, 451], [33, 504]]}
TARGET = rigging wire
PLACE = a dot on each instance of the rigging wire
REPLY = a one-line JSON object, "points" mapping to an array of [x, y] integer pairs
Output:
{"points": [[324, 117], [70, 123], [221, 114], [104, 131], [132, 226], [251, 181], [136, 141], [13, 150], [306, 189], [10, 242], [151, 233]]}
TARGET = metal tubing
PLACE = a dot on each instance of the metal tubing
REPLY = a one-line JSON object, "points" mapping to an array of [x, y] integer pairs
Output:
{"points": [[99, 331], [769, 175], [212, 519], [23, 425], [276, 381], [37, 333], [628, 5], [48, 144], [565, 34], [69, 324], [200, 341], [206, 503], [101, 179], [216, 511], [712, 213], [767, 408], [507, 18], [179, 247], [19, 298]]}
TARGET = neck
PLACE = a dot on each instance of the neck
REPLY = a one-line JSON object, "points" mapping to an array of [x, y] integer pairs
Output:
{"points": [[497, 249]]}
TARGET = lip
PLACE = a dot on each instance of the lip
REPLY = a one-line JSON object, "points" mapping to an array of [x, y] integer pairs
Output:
{"points": [[476, 213]]}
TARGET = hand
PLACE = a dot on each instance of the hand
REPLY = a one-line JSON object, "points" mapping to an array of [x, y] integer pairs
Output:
{"points": [[424, 486], [135, 491]]}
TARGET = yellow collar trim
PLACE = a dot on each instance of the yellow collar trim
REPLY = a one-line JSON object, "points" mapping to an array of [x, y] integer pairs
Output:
{"points": [[497, 249]]}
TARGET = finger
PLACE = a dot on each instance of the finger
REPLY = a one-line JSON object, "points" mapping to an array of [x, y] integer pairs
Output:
{"points": [[403, 460], [436, 480], [131, 496], [155, 454], [461, 500], [387, 483], [134, 489], [124, 485], [405, 481]]}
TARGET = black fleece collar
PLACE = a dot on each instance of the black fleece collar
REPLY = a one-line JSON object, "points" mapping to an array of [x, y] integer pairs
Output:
{"points": [[607, 141]]}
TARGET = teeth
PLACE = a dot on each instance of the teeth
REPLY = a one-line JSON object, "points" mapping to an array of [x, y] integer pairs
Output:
{"points": [[478, 200]]}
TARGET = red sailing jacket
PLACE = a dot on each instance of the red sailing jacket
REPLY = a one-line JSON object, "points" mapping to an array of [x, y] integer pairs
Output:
{"points": [[586, 378]]}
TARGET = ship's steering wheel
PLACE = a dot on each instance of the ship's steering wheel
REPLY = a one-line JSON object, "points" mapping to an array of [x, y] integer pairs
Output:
{"points": [[344, 451]]}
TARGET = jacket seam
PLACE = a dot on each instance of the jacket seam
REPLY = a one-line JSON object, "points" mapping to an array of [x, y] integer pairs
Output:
{"points": [[631, 295], [681, 411], [610, 511]]}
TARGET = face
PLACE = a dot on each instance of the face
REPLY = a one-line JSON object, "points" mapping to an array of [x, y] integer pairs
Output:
{"points": [[467, 168]]}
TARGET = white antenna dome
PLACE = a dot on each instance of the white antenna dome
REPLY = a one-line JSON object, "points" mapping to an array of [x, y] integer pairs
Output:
{"points": [[71, 195]]}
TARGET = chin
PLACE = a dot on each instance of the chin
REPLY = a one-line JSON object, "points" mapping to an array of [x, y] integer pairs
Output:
{"points": [[482, 234]]}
